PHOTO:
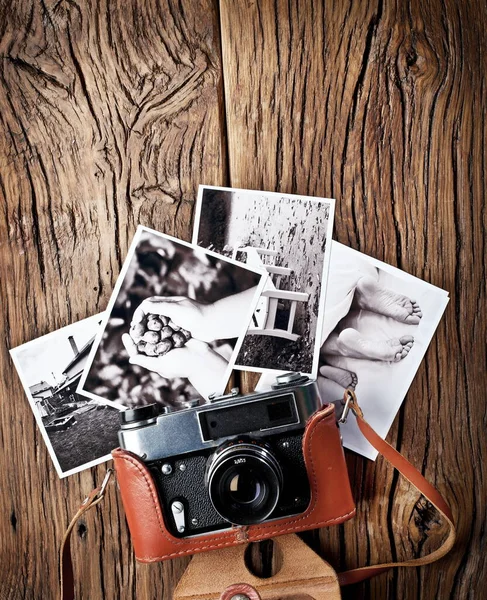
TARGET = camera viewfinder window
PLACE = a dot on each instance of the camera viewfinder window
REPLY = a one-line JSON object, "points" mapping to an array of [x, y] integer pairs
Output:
{"points": [[279, 411]]}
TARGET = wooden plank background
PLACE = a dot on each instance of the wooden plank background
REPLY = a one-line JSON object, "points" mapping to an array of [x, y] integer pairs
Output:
{"points": [[111, 114]]}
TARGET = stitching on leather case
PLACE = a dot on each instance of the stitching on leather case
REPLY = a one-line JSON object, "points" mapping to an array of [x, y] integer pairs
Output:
{"points": [[312, 506], [230, 542], [148, 482], [308, 511], [157, 508]]}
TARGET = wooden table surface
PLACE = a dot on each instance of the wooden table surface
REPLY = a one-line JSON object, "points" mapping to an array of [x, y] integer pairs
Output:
{"points": [[112, 113]]}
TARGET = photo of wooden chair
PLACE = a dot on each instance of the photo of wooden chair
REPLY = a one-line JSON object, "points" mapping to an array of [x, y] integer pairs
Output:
{"points": [[264, 318]]}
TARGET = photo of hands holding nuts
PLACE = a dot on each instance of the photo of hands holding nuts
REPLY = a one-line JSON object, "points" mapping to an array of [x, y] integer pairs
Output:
{"points": [[173, 329], [154, 335], [158, 341]]}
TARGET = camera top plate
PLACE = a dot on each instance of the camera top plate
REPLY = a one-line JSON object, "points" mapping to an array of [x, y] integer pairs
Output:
{"points": [[192, 430]]}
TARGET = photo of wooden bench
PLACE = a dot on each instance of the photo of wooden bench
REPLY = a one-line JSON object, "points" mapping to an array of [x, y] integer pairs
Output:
{"points": [[264, 318]]}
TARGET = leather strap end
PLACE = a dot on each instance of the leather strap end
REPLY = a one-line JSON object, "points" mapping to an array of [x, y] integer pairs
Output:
{"points": [[410, 472], [66, 576]]}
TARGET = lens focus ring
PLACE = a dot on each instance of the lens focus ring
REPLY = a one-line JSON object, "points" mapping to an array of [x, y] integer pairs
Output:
{"points": [[244, 481]]}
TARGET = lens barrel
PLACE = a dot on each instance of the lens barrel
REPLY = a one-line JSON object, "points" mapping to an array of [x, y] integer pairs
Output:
{"points": [[244, 481]]}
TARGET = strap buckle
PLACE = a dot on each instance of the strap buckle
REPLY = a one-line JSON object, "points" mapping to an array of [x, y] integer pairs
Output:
{"points": [[98, 494], [103, 487], [349, 398]]}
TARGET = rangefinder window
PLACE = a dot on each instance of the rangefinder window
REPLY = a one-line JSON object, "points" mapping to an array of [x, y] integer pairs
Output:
{"points": [[246, 417], [279, 411]]}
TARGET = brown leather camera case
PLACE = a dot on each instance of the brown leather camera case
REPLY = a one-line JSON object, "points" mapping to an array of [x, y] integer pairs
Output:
{"points": [[331, 498]]}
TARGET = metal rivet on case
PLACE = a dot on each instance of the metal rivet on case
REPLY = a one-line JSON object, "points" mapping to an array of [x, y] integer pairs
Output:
{"points": [[194, 521], [285, 444], [166, 469], [182, 467], [181, 528]]}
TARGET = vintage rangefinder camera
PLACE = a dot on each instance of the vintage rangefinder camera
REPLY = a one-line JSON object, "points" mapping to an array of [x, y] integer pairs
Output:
{"points": [[237, 460]]}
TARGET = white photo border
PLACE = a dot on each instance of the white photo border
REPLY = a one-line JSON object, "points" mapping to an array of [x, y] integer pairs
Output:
{"points": [[350, 429], [324, 275], [116, 290], [375, 262], [14, 352]]}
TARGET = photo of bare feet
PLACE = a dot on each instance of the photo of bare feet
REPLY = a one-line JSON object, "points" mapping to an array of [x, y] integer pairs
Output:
{"points": [[346, 379], [350, 342], [370, 295], [367, 294], [378, 323]]}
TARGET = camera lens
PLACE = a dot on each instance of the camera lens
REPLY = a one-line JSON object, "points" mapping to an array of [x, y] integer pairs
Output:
{"points": [[244, 481], [244, 488]]}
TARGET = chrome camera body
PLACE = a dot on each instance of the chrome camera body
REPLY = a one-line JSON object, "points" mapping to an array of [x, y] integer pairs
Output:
{"points": [[236, 460]]}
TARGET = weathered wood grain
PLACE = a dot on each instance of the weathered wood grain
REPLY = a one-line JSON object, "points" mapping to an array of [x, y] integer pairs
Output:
{"points": [[112, 113], [382, 106], [109, 117]]}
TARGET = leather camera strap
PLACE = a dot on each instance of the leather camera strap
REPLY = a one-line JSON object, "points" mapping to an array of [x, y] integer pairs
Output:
{"points": [[66, 576], [415, 478], [347, 577]]}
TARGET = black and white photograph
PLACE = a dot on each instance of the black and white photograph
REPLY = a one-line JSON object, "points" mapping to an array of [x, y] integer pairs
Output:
{"points": [[288, 236], [79, 431], [379, 322], [174, 325]]}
